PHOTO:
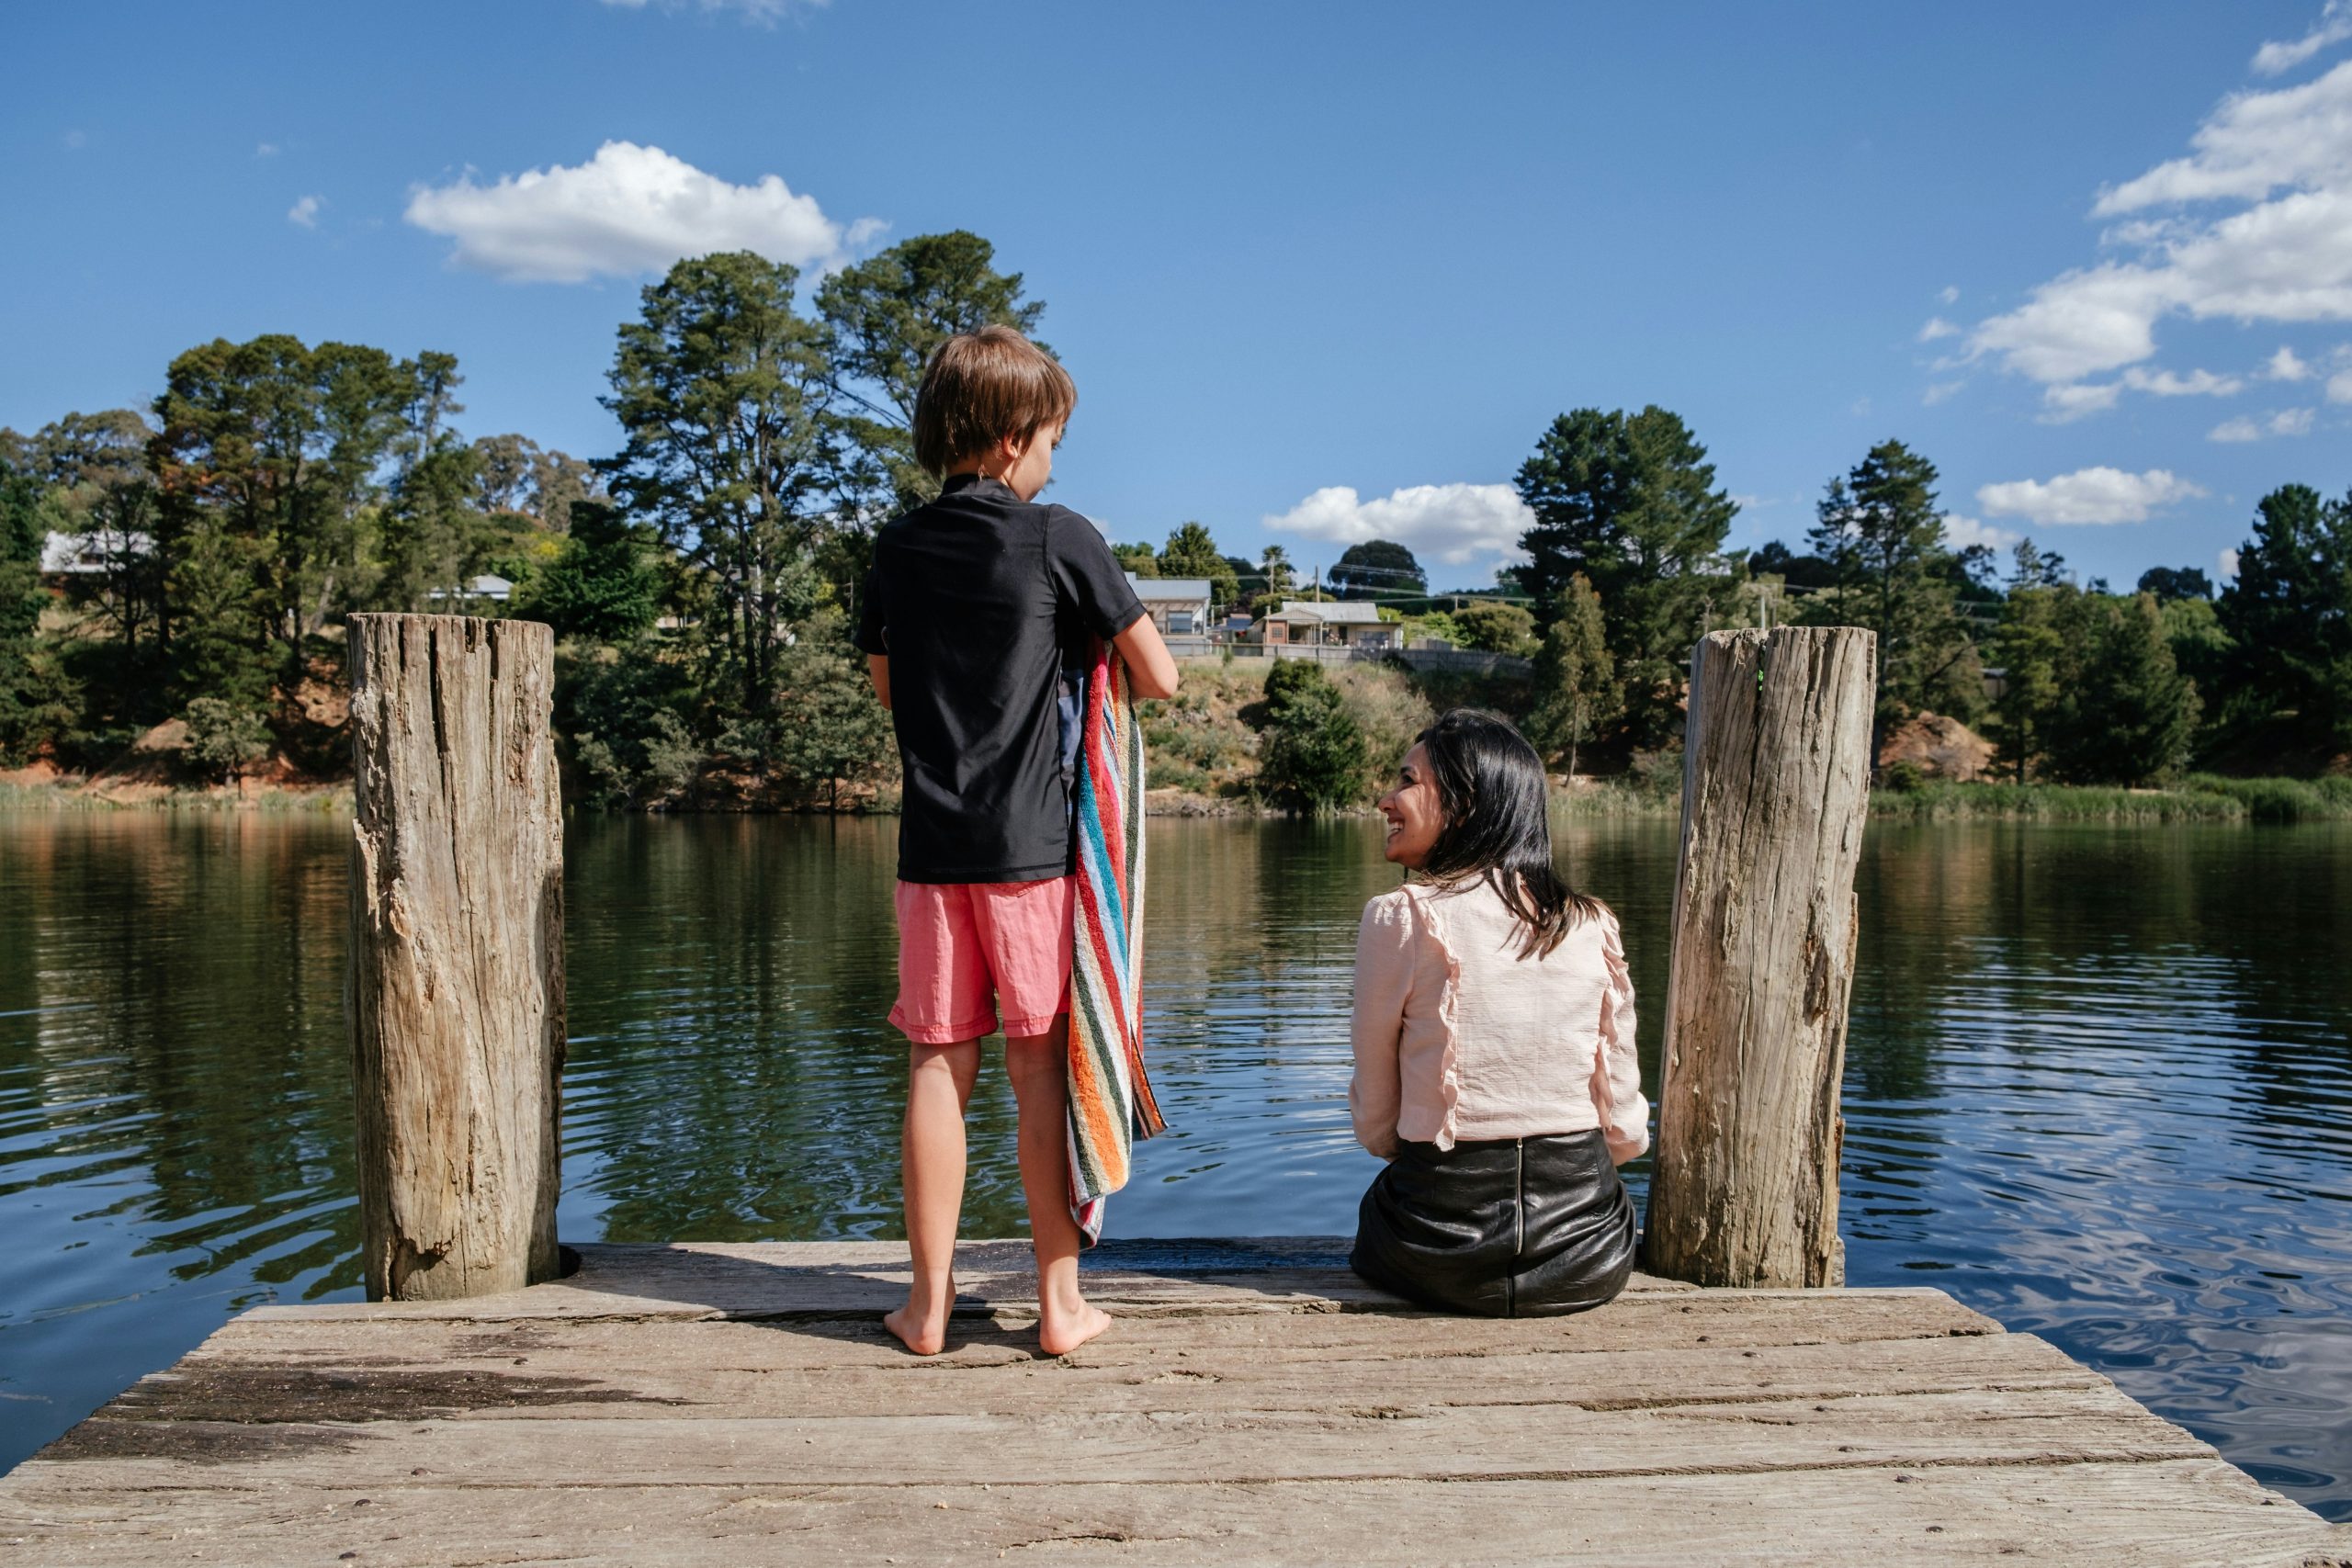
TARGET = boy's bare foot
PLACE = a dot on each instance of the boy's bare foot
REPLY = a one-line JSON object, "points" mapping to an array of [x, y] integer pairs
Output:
{"points": [[1060, 1333], [924, 1333]]}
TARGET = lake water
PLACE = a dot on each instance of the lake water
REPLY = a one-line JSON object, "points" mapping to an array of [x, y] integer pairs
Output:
{"points": [[2098, 1081]]}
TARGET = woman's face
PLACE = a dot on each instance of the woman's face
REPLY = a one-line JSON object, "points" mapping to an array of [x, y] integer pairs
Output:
{"points": [[1414, 816]]}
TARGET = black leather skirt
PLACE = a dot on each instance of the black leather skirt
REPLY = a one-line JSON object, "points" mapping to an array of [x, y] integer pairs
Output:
{"points": [[1500, 1227]]}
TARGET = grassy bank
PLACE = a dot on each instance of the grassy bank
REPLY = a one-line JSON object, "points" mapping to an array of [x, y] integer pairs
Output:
{"points": [[2202, 797], [70, 795]]}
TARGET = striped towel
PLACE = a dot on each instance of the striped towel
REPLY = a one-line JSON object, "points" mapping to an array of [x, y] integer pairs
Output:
{"points": [[1109, 1097]]}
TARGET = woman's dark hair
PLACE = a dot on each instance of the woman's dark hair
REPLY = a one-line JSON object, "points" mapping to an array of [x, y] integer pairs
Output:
{"points": [[1490, 794]]}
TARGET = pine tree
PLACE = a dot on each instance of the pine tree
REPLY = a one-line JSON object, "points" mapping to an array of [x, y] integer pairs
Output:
{"points": [[1576, 679]]}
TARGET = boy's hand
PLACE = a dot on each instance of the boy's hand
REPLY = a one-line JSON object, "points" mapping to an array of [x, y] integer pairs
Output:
{"points": [[878, 666], [1151, 671]]}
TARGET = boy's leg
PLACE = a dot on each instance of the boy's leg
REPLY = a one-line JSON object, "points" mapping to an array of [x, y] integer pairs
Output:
{"points": [[939, 1086], [1039, 1067], [944, 1009]]}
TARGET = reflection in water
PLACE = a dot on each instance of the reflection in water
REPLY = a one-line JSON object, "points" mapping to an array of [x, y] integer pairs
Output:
{"points": [[2098, 1080]]}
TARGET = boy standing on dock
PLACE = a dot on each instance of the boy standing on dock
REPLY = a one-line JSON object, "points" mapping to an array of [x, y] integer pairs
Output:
{"points": [[978, 623]]}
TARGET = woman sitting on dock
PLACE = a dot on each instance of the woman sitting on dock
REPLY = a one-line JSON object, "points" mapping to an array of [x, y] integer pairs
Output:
{"points": [[1494, 1047]]}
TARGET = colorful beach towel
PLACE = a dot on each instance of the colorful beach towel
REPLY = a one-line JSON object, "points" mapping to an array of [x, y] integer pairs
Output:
{"points": [[1109, 1097]]}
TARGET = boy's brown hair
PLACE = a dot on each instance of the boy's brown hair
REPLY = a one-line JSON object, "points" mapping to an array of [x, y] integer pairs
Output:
{"points": [[982, 387]]}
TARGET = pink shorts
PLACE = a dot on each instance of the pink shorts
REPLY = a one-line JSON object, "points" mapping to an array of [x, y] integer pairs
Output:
{"points": [[968, 948]]}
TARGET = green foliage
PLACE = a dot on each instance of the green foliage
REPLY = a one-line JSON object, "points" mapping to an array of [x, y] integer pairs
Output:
{"points": [[1630, 502], [1314, 757], [2289, 613], [1575, 678], [2169, 584], [722, 387], [1137, 559], [1375, 566], [1275, 568], [2129, 712], [1191, 551], [224, 739], [1492, 627], [886, 317], [828, 728], [603, 586], [1879, 529], [620, 708]]}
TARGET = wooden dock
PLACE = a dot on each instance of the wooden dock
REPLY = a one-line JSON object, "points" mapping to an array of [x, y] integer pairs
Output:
{"points": [[740, 1405]]}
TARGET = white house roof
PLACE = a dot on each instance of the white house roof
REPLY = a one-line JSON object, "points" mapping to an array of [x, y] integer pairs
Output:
{"points": [[88, 552], [1330, 611], [484, 586], [1184, 589]]}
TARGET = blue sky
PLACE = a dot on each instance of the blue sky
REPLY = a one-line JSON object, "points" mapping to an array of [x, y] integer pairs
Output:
{"points": [[1321, 272]]}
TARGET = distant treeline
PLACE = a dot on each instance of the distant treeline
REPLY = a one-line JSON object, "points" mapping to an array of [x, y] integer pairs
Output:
{"points": [[204, 553]]}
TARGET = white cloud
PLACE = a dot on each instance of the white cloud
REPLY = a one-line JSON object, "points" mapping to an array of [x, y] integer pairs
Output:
{"points": [[2196, 384], [305, 212], [2286, 256], [1960, 532], [2335, 24], [1452, 523], [1939, 391], [2087, 495], [2245, 427], [2225, 566], [266, 150], [2339, 387], [1949, 294], [2284, 366], [626, 211], [2072, 401], [1937, 327]]}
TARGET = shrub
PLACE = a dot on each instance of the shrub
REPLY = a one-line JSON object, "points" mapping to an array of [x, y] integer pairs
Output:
{"points": [[1314, 759], [224, 739]]}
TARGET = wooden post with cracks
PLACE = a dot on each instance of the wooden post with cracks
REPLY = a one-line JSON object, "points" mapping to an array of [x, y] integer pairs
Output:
{"points": [[1775, 791], [455, 990]]}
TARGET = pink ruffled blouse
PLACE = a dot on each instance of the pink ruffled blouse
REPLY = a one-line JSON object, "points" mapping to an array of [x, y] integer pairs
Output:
{"points": [[1457, 1037]]}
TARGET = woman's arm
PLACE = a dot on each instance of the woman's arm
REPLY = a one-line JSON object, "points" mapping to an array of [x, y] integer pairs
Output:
{"points": [[1151, 671], [1616, 1069], [1384, 982], [877, 665]]}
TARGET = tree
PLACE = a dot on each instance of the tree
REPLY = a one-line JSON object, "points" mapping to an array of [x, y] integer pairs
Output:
{"points": [[23, 724], [2029, 650], [2130, 712], [1376, 567], [1774, 560], [1280, 577], [1629, 502], [1576, 679], [828, 727], [1880, 530], [603, 586], [225, 738], [887, 316], [1493, 627], [1314, 757], [722, 389], [514, 474], [275, 452], [1137, 559], [2169, 583], [2289, 612], [1191, 551]]}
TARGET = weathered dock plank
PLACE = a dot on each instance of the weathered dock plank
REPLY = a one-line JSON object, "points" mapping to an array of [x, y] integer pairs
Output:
{"points": [[1255, 1404]]}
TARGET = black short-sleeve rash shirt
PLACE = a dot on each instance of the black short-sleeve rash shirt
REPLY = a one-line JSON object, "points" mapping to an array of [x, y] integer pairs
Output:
{"points": [[986, 604]]}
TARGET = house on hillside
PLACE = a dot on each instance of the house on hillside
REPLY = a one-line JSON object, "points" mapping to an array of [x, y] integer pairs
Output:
{"points": [[1335, 622], [94, 554], [1179, 606], [495, 589]]}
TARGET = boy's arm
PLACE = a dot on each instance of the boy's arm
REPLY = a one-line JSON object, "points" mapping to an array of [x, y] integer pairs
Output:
{"points": [[878, 666], [1151, 670]]}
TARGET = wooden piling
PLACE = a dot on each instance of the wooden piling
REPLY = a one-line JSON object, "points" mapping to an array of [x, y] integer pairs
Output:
{"points": [[1776, 787], [455, 990]]}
